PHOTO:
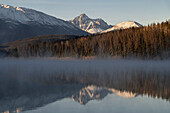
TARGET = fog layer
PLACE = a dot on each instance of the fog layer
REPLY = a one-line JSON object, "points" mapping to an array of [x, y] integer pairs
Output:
{"points": [[34, 67]]}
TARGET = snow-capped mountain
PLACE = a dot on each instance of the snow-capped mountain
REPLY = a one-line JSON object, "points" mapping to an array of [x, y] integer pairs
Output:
{"points": [[123, 25], [24, 15], [90, 25], [93, 92], [18, 23]]}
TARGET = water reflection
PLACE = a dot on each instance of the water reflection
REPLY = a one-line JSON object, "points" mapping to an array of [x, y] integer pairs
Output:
{"points": [[18, 110], [82, 94], [36, 96], [19, 96], [23, 90], [93, 92]]}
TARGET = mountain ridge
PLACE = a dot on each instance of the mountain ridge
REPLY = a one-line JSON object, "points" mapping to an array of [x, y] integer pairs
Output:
{"points": [[90, 25], [20, 23], [25, 15]]}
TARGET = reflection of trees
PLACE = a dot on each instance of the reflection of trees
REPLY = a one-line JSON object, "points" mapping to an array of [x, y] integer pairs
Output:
{"points": [[39, 90], [152, 84], [20, 96]]}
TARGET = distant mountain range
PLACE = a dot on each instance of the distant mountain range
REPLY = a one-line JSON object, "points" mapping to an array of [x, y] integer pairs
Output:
{"points": [[90, 25], [19, 23], [100, 26]]}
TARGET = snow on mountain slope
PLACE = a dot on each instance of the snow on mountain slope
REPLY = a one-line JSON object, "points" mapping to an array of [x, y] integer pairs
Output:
{"points": [[25, 15], [90, 25], [19, 23], [123, 25]]}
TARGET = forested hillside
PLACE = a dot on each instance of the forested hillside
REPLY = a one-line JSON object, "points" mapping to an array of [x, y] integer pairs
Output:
{"points": [[145, 42]]}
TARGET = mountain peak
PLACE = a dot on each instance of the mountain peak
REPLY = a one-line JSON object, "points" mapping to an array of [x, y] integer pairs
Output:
{"points": [[83, 15], [127, 24], [89, 25], [24, 22], [11, 7], [25, 15]]}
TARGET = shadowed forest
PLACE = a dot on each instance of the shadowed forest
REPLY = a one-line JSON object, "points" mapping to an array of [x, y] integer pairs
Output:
{"points": [[152, 41]]}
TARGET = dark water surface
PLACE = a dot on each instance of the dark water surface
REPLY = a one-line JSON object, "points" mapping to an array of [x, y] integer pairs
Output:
{"points": [[93, 86]]}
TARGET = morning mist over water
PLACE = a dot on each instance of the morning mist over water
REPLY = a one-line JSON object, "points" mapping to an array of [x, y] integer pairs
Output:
{"points": [[27, 84], [46, 67]]}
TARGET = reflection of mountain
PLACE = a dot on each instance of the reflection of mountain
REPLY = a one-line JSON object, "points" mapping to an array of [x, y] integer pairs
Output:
{"points": [[93, 92], [90, 93], [124, 94], [43, 95], [21, 101], [21, 91]]}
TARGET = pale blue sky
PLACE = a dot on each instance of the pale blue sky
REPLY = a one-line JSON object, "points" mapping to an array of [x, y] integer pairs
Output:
{"points": [[112, 11]]}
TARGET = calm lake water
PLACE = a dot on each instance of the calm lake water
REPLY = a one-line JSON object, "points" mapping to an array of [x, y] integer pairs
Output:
{"points": [[81, 86], [112, 103]]}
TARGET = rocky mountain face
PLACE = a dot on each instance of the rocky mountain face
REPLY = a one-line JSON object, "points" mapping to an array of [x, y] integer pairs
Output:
{"points": [[94, 26], [19, 23], [90, 25]]}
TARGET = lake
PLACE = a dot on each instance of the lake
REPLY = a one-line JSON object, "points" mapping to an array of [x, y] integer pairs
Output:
{"points": [[93, 86]]}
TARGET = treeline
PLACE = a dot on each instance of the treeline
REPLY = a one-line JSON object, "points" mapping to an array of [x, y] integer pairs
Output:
{"points": [[145, 42]]}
